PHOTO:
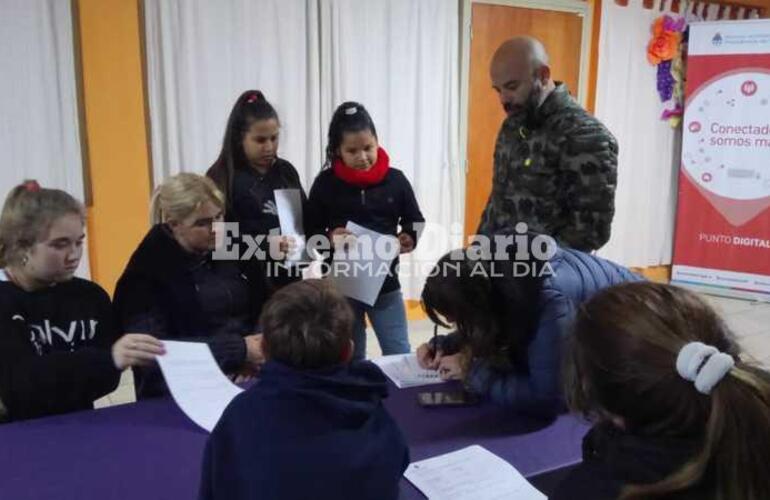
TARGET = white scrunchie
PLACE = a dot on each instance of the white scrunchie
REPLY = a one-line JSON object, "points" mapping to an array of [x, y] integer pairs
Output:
{"points": [[691, 358]]}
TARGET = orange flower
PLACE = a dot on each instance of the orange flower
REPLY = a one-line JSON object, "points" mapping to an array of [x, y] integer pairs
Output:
{"points": [[658, 26], [663, 46]]}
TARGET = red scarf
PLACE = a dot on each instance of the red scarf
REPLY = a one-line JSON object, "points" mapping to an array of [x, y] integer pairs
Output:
{"points": [[363, 178]]}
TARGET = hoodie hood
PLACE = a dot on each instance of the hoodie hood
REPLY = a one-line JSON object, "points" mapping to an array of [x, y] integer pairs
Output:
{"points": [[348, 393]]}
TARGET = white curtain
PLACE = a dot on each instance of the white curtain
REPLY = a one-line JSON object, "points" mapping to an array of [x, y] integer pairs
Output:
{"points": [[400, 58], [39, 134], [201, 55], [627, 102]]}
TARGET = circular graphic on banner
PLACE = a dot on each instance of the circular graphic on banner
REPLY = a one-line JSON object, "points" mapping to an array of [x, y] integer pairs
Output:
{"points": [[727, 136], [749, 88]]}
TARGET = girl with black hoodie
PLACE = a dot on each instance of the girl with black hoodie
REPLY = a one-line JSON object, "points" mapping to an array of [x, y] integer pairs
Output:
{"points": [[59, 348], [248, 171]]}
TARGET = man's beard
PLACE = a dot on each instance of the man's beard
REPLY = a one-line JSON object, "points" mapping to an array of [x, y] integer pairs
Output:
{"points": [[526, 113]]}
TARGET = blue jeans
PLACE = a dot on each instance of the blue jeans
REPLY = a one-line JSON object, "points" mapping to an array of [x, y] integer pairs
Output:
{"points": [[388, 317]]}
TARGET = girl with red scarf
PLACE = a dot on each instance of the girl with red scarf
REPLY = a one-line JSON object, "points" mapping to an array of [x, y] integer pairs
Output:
{"points": [[357, 184]]}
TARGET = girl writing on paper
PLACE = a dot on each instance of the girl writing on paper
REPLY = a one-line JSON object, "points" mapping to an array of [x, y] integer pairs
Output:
{"points": [[511, 314]]}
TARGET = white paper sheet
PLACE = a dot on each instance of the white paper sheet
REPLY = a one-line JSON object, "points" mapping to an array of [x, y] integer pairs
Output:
{"points": [[405, 371], [360, 271], [288, 204], [472, 473], [196, 383]]}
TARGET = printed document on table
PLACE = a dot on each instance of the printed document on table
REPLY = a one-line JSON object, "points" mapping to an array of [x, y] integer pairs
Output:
{"points": [[404, 371], [472, 473]]}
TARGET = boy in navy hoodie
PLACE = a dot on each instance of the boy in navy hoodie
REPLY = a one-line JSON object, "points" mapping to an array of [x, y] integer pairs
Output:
{"points": [[314, 425]]}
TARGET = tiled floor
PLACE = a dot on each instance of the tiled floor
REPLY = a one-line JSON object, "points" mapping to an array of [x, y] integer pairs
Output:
{"points": [[750, 321]]}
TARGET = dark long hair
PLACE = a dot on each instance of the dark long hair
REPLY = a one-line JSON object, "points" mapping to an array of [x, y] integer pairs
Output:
{"points": [[349, 117], [621, 361], [250, 107], [495, 312]]}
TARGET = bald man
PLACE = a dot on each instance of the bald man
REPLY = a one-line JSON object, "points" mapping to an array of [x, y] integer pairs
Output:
{"points": [[555, 165]]}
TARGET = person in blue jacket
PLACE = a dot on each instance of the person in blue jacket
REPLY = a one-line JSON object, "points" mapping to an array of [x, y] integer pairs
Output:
{"points": [[314, 425], [511, 317]]}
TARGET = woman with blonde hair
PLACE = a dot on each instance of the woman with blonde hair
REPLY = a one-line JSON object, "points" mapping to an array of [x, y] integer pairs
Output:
{"points": [[58, 343], [175, 288], [679, 413]]}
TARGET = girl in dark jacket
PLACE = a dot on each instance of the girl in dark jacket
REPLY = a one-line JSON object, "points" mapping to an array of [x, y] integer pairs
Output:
{"points": [[175, 287], [248, 171], [358, 185]]}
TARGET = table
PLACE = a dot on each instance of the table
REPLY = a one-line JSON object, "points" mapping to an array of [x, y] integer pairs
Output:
{"points": [[149, 450]]}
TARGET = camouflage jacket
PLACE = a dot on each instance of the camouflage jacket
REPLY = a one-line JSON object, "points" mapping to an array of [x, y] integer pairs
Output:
{"points": [[558, 175]]}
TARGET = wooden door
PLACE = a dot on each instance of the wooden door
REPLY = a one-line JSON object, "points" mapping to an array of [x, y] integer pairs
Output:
{"points": [[491, 25]]}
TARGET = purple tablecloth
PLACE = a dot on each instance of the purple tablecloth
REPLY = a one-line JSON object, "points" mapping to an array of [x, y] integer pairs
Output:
{"points": [[149, 450]]}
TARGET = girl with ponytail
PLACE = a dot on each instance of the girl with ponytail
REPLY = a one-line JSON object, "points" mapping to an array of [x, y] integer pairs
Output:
{"points": [[248, 171], [679, 412]]}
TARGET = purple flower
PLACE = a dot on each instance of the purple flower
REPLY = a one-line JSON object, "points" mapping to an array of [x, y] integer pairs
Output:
{"points": [[665, 81], [671, 24]]}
